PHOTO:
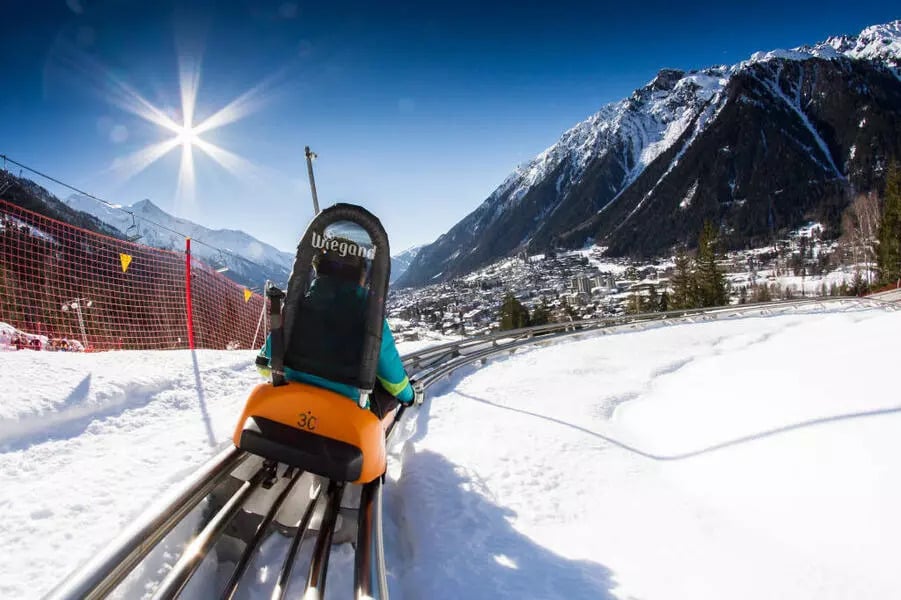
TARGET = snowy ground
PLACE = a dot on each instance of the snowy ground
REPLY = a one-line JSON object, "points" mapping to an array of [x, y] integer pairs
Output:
{"points": [[749, 458]]}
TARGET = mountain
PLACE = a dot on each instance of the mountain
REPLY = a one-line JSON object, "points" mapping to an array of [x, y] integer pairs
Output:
{"points": [[401, 262], [756, 147], [250, 262], [30, 196]]}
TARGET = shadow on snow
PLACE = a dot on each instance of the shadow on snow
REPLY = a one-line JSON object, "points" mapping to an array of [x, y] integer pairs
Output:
{"points": [[451, 541]]}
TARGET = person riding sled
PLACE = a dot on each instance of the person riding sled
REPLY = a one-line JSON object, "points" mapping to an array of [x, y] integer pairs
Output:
{"points": [[332, 312]]}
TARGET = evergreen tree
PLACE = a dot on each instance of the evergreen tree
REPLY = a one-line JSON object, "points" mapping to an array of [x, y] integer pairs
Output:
{"points": [[711, 280], [859, 285], [663, 304], [541, 315], [889, 256], [653, 301], [683, 282], [513, 314]]}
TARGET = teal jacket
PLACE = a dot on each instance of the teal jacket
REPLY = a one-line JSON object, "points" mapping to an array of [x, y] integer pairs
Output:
{"points": [[390, 372]]}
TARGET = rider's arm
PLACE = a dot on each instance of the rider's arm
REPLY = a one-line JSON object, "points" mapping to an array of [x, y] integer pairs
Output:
{"points": [[262, 361], [391, 373]]}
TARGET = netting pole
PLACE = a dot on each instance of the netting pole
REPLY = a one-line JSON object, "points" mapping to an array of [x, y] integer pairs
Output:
{"points": [[189, 316], [253, 344], [310, 156]]}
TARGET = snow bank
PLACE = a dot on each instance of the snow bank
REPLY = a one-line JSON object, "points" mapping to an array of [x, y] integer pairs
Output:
{"points": [[750, 458]]}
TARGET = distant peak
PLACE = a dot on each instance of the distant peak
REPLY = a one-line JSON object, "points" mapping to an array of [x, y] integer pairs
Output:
{"points": [[841, 43], [666, 79], [879, 42], [876, 42], [145, 205]]}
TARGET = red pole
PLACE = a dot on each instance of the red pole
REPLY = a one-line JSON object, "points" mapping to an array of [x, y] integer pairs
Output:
{"points": [[190, 313]]}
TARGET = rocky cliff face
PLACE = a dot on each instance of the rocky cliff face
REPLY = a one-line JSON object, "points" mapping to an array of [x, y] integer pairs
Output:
{"points": [[754, 147]]}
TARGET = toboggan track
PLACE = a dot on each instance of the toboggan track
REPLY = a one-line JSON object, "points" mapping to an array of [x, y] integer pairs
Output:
{"points": [[103, 573]]}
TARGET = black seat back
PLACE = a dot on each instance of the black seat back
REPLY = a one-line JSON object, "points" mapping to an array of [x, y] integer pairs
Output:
{"points": [[335, 304]]}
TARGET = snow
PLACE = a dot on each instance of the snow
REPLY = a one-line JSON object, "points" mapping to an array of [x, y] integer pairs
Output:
{"points": [[645, 126], [877, 42], [717, 460], [744, 458], [689, 196]]}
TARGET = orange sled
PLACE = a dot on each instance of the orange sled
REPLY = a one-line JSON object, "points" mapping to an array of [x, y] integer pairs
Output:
{"points": [[315, 430]]}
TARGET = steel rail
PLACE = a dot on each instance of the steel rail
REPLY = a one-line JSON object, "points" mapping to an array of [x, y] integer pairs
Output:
{"points": [[235, 580], [284, 575], [413, 359], [190, 560], [370, 580], [100, 575], [431, 375], [106, 570], [315, 588]]}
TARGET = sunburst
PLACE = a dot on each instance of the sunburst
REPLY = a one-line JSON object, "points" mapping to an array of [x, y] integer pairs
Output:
{"points": [[187, 134]]}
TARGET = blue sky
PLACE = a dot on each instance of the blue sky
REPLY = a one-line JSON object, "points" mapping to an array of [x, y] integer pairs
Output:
{"points": [[417, 110]]}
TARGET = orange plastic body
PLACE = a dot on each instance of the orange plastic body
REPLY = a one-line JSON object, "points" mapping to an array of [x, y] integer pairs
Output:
{"points": [[321, 412]]}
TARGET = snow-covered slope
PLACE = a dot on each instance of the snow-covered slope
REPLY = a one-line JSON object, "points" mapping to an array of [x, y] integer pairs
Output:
{"points": [[250, 259], [743, 459], [400, 262]]}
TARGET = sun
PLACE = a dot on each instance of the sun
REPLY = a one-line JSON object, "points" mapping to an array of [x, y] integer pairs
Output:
{"points": [[187, 134]]}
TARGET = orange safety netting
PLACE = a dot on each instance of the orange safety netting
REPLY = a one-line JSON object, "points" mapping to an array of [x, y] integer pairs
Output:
{"points": [[59, 282]]}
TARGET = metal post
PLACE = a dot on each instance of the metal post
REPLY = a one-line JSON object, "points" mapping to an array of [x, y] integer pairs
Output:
{"points": [[84, 335], [189, 316], [310, 156]]}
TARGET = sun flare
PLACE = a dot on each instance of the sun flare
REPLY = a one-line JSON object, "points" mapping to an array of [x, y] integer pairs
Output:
{"points": [[187, 135]]}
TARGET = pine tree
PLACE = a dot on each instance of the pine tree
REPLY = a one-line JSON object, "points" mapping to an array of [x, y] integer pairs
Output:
{"points": [[711, 280], [541, 315], [683, 282], [859, 285], [889, 255], [513, 314], [653, 304]]}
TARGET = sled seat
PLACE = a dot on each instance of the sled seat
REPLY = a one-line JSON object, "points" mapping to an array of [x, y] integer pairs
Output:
{"points": [[315, 430]]}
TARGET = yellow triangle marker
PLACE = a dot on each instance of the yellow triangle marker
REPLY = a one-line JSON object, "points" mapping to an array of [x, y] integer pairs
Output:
{"points": [[126, 260], [247, 295]]}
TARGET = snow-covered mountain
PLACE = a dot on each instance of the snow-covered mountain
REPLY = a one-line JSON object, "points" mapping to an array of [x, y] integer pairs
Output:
{"points": [[752, 146], [250, 261], [401, 262]]}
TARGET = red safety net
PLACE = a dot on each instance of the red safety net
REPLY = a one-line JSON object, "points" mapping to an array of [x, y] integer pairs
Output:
{"points": [[70, 288]]}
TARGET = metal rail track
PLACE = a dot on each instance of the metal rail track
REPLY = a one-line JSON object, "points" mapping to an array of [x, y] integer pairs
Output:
{"points": [[102, 574]]}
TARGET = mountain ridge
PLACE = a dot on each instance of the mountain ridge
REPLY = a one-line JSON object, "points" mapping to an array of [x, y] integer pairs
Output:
{"points": [[573, 192], [250, 261]]}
